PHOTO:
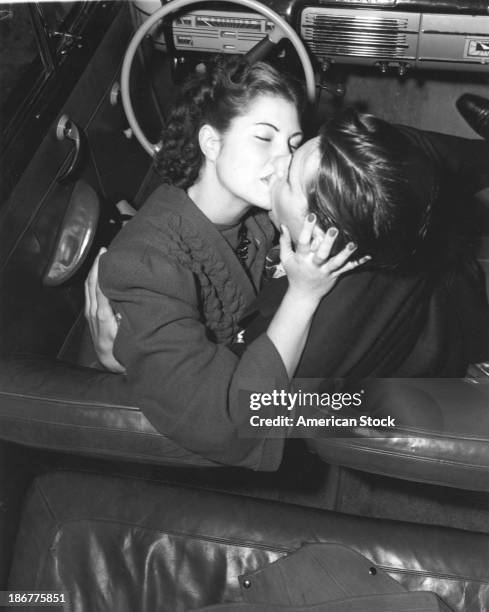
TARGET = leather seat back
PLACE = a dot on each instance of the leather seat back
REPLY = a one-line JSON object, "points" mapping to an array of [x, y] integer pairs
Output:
{"points": [[126, 544]]}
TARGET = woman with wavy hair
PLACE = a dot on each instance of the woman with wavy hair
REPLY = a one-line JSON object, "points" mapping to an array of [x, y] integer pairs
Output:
{"points": [[181, 274]]}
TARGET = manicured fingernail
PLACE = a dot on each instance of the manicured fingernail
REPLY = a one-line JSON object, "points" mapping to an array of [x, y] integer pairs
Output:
{"points": [[311, 217], [332, 232], [351, 246]]}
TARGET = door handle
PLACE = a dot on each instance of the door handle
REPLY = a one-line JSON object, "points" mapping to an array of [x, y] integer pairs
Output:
{"points": [[68, 130]]}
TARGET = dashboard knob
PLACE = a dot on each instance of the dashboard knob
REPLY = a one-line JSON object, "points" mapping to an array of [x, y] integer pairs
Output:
{"points": [[401, 71]]}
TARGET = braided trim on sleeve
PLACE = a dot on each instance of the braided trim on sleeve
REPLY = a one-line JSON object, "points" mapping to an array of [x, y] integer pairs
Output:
{"points": [[222, 302]]}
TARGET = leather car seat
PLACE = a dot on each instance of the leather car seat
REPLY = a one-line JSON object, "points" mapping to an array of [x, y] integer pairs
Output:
{"points": [[126, 544], [57, 411]]}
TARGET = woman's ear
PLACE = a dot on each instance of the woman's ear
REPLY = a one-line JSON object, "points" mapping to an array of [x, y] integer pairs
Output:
{"points": [[210, 142]]}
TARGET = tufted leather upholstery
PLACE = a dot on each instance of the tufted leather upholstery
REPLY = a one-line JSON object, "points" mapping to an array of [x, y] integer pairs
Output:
{"points": [[127, 544]]}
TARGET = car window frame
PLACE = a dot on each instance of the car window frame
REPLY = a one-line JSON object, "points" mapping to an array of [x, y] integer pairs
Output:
{"points": [[62, 59]]}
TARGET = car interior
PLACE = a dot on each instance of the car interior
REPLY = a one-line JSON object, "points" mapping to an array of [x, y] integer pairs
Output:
{"points": [[96, 504]]}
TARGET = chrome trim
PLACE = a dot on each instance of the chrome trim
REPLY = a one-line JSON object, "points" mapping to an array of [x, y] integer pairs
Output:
{"points": [[450, 33]]}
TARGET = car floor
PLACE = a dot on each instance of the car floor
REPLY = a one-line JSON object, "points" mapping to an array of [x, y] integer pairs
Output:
{"points": [[303, 479], [359, 493], [371, 495]]}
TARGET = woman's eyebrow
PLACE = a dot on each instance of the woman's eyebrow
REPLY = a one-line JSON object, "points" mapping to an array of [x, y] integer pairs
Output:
{"points": [[274, 127]]}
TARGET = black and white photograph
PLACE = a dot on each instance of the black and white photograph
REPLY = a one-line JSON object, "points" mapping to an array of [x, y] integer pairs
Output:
{"points": [[244, 307]]}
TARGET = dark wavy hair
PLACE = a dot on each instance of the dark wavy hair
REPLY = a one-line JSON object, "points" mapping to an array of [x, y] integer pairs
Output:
{"points": [[376, 188], [215, 97]]}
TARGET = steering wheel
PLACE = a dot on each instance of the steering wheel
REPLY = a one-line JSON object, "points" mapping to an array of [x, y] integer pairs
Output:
{"points": [[282, 30]]}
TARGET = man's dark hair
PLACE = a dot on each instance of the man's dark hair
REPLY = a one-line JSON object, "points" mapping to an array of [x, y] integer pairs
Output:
{"points": [[375, 187]]}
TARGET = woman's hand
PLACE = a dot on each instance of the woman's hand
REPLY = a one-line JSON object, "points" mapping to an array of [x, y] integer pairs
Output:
{"points": [[311, 272], [101, 320]]}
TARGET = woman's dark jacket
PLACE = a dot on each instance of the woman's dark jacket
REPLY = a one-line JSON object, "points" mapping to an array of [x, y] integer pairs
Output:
{"points": [[179, 291]]}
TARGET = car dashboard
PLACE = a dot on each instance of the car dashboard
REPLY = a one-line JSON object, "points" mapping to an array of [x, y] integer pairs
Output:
{"points": [[389, 35]]}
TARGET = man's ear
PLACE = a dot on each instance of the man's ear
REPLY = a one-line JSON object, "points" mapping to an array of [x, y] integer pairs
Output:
{"points": [[210, 142]]}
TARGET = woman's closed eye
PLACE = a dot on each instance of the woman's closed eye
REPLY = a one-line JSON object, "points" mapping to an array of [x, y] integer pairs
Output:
{"points": [[263, 138]]}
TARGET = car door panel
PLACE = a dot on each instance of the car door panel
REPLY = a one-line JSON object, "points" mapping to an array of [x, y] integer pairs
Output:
{"points": [[36, 318]]}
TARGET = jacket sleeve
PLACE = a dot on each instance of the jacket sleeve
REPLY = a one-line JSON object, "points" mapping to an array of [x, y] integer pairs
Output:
{"points": [[192, 390]]}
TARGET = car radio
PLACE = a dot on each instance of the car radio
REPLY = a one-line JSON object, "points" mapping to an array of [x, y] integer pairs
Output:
{"points": [[435, 34], [212, 31], [235, 32]]}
